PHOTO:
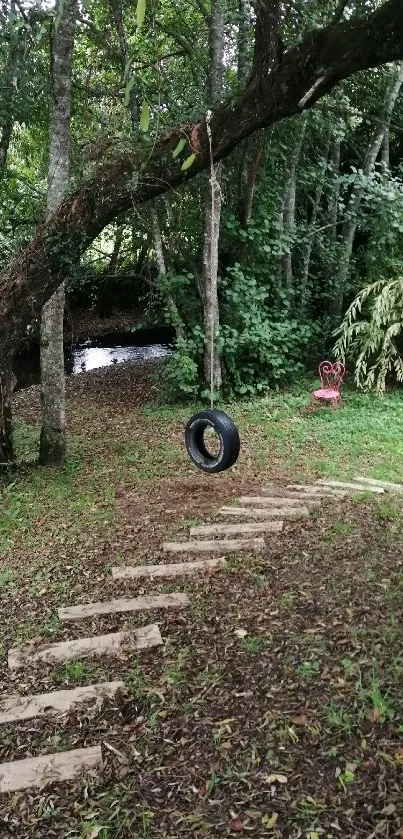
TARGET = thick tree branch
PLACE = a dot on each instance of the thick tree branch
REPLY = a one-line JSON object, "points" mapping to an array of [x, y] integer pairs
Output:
{"points": [[305, 73]]}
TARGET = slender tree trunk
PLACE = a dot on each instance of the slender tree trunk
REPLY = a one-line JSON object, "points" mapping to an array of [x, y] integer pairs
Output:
{"points": [[385, 150], [244, 18], [175, 317], [6, 428], [333, 211], [290, 195], [307, 250], [117, 12], [52, 450], [251, 150], [212, 213], [350, 226], [211, 314], [10, 86]]}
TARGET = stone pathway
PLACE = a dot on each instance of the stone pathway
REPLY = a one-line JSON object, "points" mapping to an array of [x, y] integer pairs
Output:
{"points": [[266, 514]]}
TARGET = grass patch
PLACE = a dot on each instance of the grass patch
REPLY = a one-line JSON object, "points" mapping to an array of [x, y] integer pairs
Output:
{"points": [[280, 684]]}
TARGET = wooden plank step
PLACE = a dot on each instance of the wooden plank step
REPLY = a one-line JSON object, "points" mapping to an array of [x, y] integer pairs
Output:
{"points": [[17, 708], [216, 545], [176, 569], [310, 491], [239, 527], [113, 644], [53, 768], [265, 513], [387, 485], [175, 600], [290, 499], [350, 486], [264, 501]]}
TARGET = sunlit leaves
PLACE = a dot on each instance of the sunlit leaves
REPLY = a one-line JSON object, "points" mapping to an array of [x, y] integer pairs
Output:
{"points": [[181, 145], [188, 162], [140, 13], [145, 116], [128, 90]]}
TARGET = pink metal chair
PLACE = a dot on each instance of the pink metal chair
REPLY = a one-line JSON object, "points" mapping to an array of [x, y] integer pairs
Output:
{"points": [[331, 377]]}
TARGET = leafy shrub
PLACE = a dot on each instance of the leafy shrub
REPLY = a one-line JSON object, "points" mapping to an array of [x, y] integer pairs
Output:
{"points": [[372, 333], [181, 372]]}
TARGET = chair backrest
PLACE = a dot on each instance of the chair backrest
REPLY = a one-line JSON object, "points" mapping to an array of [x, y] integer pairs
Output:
{"points": [[331, 375]]}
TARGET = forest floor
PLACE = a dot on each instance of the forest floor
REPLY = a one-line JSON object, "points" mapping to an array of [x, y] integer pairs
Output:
{"points": [[292, 727], [86, 323]]}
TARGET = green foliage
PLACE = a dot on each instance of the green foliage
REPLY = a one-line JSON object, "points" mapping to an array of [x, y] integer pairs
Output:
{"points": [[188, 162], [372, 333], [181, 373], [145, 117], [261, 347]]}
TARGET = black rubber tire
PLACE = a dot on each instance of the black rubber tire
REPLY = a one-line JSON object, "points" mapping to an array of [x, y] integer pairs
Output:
{"points": [[226, 431]]}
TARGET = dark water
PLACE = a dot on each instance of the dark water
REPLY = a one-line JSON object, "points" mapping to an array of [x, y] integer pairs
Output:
{"points": [[138, 347]]}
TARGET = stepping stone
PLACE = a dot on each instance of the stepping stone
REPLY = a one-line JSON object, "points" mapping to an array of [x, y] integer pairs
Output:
{"points": [[387, 485], [36, 771], [113, 644], [350, 486], [219, 545], [135, 604], [17, 708], [266, 501], [231, 529], [176, 569], [268, 513]]}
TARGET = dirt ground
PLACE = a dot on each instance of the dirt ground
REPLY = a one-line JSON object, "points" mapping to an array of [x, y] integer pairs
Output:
{"points": [[274, 707]]}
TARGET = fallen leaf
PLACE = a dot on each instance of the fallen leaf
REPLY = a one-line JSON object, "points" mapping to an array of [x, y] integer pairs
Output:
{"points": [[279, 779], [300, 719], [236, 825], [270, 821], [240, 633], [388, 809]]}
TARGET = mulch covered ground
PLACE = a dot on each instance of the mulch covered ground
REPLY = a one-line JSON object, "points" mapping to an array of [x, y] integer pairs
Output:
{"points": [[275, 706]]}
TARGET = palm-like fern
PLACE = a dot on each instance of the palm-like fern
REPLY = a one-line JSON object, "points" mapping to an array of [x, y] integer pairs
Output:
{"points": [[370, 331]]}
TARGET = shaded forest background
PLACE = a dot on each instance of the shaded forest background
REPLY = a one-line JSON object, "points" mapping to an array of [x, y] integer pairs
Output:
{"points": [[298, 219]]}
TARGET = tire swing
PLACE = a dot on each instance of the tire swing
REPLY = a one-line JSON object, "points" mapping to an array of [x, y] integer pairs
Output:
{"points": [[228, 436], [212, 418]]}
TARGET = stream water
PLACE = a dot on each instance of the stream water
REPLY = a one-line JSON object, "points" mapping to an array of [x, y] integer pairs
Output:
{"points": [[137, 347]]}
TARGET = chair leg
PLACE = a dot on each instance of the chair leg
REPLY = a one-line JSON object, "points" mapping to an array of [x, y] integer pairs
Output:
{"points": [[334, 404], [312, 404]]}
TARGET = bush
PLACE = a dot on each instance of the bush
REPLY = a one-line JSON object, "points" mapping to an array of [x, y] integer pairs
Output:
{"points": [[371, 334]]}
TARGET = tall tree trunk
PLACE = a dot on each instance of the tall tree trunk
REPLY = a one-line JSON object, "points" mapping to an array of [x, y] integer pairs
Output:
{"points": [[350, 226], [6, 429], [9, 88], [251, 150], [385, 150], [52, 450], [333, 207], [211, 314], [289, 205], [117, 12], [307, 250], [175, 317], [212, 211], [244, 16]]}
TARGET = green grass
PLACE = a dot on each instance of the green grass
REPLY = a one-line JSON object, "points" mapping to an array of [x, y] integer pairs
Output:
{"points": [[366, 436]]}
